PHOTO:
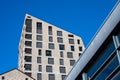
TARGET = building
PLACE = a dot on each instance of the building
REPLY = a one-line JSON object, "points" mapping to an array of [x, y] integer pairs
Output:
{"points": [[47, 52], [15, 74], [101, 59]]}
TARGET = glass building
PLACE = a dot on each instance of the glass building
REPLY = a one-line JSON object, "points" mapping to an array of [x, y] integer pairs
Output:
{"points": [[101, 59]]}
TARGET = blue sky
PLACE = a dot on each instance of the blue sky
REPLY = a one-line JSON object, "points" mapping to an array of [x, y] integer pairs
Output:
{"points": [[81, 17]]}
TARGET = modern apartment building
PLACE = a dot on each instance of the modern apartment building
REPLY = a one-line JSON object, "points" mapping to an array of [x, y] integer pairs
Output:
{"points": [[101, 59], [47, 52]]}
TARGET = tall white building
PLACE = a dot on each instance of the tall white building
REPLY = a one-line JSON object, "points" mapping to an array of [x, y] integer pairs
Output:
{"points": [[47, 52]]}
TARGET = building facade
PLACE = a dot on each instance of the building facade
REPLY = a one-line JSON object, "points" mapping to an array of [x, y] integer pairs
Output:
{"points": [[101, 59], [15, 74], [47, 52]]}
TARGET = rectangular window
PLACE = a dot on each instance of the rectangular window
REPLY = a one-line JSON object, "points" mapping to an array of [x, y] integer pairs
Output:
{"points": [[48, 53], [63, 77], [62, 70], [72, 48], [72, 62], [80, 48], [39, 76], [50, 60], [71, 41], [38, 59], [61, 47], [70, 35], [51, 76], [79, 54], [40, 68], [3, 78], [28, 59], [51, 46], [48, 68], [28, 73], [61, 62], [28, 29], [78, 41], [28, 22], [60, 40], [28, 36], [28, 50], [69, 54], [59, 33], [39, 27], [50, 39], [39, 52], [50, 30], [28, 66], [61, 54], [39, 37], [28, 43], [39, 44]]}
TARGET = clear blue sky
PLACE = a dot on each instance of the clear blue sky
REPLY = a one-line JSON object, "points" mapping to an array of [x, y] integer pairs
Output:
{"points": [[81, 17]]}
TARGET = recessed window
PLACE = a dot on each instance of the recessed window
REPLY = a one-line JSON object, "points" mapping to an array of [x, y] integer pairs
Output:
{"points": [[28, 50], [48, 53], [28, 43], [59, 33], [51, 77], [39, 76], [79, 54], [62, 69], [39, 52], [3, 77], [38, 59], [71, 41], [28, 73], [61, 62], [39, 27], [28, 59], [48, 68], [50, 60], [28, 22], [40, 68], [39, 44], [72, 62], [50, 30], [69, 54], [70, 35], [26, 78], [60, 40], [80, 48], [61, 47], [50, 39], [61, 54], [78, 41], [51, 46], [72, 48], [28, 36], [28, 66], [28, 29], [63, 77], [39, 37]]}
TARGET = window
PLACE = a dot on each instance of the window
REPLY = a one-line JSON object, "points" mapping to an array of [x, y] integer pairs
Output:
{"points": [[28, 36], [48, 68], [60, 40], [62, 47], [29, 29], [27, 66], [50, 30], [39, 27], [28, 22], [26, 78], [28, 59], [48, 53], [69, 54], [61, 54], [63, 77], [59, 33], [78, 41], [3, 77], [71, 41], [62, 70], [79, 54], [28, 73], [38, 59], [39, 52], [39, 67], [51, 77], [28, 50], [61, 62], [70, 35], [39, 37], [51, 46], [72, 48], [39, 76], [39, 44], [50, 39], [50, 60], [28, 43], [80, 48], [72, 62]]}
